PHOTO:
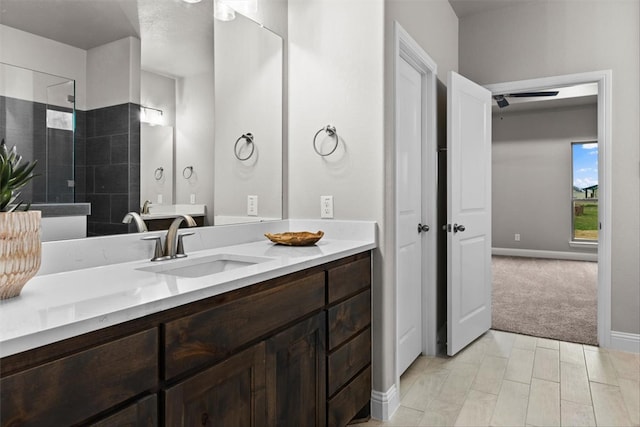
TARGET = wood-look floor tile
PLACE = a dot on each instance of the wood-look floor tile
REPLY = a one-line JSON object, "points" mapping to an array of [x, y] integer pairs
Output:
{"points": [[405, 417], [546, 364], [600, 368], [477, 409], [458, 383], [499, 343], [544, 403], [424, 389], [413, 372], [490, 375], [631, 395], [609, 406], [574, 383], [587, 347], [547, 343], [576, 414], [511, 406], [627, 365], [520, 366], [441, 414], [525, 342], [571, 353]]}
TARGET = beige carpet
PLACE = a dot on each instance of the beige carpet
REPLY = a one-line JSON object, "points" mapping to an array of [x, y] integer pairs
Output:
{"points": [[545, 298]]}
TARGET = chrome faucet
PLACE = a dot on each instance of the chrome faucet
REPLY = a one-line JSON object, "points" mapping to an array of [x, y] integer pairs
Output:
{"points": [[173, 242], [145, 207], [142, 227]]}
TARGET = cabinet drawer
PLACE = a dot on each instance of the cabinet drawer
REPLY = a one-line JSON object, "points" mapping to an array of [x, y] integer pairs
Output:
{"points": [[213, 334], [346, 279], [143, 413], [348, 360], [348, 318], [346, 404], [74, 388]]}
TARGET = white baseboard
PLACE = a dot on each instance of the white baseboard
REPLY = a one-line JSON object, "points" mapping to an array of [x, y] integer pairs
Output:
{"points": [[384, 404], [625, 341], [533, 253]]}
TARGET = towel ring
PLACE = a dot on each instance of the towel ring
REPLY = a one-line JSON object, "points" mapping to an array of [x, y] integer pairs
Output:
{"points": [[248, 137], [159, 173], [187, 172], [331, 130]]}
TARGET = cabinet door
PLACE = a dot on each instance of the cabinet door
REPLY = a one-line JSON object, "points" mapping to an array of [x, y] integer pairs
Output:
{"points": [[231, 393], [143, 413], [296, 381]]}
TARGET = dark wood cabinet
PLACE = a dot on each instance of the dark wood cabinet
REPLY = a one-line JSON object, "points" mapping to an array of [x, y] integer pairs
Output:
{"points": [[296, 375], [143, 413], [231, 393], [294, 350]]}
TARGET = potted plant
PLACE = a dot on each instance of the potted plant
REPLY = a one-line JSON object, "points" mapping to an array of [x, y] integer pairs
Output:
{"points": [[20, 246]]}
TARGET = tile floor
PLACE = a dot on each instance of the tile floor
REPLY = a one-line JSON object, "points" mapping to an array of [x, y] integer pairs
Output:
{"points": [[505, 379]]}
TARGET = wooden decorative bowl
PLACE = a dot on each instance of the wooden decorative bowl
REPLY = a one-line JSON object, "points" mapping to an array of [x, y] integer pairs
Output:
{"points": [[295, 238]]}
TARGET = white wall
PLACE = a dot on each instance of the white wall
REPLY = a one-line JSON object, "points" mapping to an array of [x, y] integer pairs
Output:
{"points": [[113, 74], [157, 142], [194, 139], [37, 53], [531, 175], [248, 100], [545, 38]]}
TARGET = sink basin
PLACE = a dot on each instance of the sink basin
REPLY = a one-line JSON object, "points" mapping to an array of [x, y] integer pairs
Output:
{"points": [[205, 266]]}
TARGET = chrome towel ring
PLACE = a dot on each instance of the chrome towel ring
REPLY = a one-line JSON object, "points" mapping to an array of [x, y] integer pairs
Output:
{"points": [[187, 172], [159, 173], [248, 137], [331, 131]]}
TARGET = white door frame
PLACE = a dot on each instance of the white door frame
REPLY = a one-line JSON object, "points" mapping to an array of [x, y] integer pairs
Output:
{"points": [[603, 79], [407, 49]]}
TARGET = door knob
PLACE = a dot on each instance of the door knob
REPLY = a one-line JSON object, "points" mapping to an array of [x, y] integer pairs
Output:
{"points": [[458, 227], [423, 228]]}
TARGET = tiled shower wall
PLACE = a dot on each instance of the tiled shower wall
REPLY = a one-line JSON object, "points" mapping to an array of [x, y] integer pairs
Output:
{"points": [[106, 154], [109, 160]]}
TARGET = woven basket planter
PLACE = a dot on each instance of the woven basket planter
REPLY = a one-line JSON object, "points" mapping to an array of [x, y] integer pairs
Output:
{"points": [[20, 250]]}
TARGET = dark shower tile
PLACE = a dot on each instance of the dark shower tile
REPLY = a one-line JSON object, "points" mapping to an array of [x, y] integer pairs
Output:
{"points": [[134, 147], [112, 120], [80, 151], [102, 229], [100, 207], [80, 124], [119, 149], [89, 172], [111, 179], [60, 151], [119, 207], [98, 150], [134, 118], [90, 123]]}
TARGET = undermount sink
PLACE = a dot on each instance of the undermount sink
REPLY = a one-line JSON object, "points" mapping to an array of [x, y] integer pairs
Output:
{"points": [[205, 266]]}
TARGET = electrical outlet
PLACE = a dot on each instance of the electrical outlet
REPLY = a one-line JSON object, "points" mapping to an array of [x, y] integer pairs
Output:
{"points": [[326, 206], [517, 237], [192, 199], [159, 199], [252, 205]]}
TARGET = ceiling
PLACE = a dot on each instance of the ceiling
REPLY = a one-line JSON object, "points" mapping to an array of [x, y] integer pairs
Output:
{"points": [[176, 37], [464, 8]]}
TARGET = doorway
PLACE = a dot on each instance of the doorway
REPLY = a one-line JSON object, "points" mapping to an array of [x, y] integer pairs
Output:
{"points": [[603, 81]]}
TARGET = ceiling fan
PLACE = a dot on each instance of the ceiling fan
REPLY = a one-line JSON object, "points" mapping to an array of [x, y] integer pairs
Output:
{"points": [[502, 99]]}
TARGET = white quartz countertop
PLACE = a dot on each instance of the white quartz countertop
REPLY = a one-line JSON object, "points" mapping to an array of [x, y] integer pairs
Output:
{"points": [[60, 305]]}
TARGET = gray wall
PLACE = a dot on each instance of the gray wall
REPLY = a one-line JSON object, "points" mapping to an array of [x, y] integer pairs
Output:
{"points": [[531, 173], [546, 38]]}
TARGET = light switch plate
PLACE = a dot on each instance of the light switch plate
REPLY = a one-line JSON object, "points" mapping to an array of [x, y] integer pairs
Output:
{"points": [[192, 199], [326, 206], [159, 199], [252, 205]]}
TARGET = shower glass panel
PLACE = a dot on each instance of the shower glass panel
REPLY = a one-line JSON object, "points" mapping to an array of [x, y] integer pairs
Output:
{"points": [[37, 115]]}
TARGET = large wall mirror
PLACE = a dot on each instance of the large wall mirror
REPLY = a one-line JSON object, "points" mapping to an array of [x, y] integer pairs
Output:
{"points": [[163, 91]]}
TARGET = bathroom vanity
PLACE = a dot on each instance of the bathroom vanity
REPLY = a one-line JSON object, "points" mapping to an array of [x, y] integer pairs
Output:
{"points": [[282, 342]]}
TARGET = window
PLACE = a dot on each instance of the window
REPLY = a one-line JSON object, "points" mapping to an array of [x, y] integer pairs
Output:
{"points": [[584, 203]]}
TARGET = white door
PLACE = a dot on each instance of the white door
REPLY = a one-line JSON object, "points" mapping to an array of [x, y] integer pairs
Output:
{"points": [[409, 213], [468, 212]]}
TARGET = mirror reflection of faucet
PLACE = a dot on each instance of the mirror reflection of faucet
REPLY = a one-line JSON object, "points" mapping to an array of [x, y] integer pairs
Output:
{"points": [[140, 224], [145, 207]]}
